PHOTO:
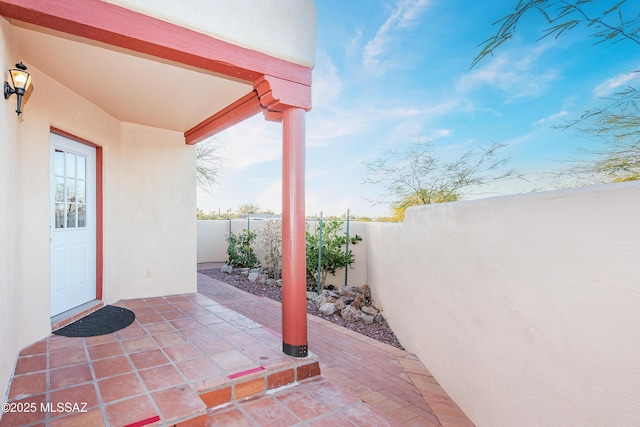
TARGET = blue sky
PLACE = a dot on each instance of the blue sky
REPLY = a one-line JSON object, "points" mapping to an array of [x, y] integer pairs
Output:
{"points": [[389, 71]]}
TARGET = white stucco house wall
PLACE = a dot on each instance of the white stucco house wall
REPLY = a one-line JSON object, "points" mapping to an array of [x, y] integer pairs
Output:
{"points": [[97, 174]]}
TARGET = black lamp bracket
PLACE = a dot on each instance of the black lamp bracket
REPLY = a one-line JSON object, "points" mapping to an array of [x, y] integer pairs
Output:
{"points": [[8, 90]]}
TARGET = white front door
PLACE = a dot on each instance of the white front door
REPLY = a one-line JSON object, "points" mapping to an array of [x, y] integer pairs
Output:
{"points": [[73, 224]]}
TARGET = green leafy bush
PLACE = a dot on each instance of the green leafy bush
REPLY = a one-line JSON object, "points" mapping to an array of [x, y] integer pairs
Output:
{"points": [[240, 251], [333, 256]]}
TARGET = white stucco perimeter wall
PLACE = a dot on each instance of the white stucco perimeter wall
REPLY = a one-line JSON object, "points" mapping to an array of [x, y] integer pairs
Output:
{"points": [[524, 308]]}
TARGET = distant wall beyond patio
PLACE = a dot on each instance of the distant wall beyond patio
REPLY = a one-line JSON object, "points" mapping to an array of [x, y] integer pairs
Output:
{"points": [[213, 235], [525, 308]]}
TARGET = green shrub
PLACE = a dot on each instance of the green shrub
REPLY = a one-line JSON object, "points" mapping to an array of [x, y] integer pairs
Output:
{"points": [[333, 255], [240, 251]]}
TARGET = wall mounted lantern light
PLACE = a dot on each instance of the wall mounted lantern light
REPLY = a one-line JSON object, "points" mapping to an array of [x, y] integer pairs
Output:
{"points": [[19, 81]]}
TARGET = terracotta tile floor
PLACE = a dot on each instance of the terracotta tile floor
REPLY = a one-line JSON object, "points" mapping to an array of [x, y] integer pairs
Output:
{"points": [[220, 349], [390, 380], [180, 351]]}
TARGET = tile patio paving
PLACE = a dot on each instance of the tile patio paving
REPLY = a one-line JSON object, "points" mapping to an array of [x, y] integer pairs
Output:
{"points": [[213, 358], [390, 380]]}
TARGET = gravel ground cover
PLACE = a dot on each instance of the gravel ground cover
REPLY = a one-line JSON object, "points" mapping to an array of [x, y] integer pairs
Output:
{"points": [[379, 331]]}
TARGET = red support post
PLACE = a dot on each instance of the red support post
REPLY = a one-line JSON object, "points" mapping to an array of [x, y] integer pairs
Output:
{"points": [[294, 277]]}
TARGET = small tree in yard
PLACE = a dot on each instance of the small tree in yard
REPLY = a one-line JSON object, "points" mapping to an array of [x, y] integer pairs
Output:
{"points": [[417, 176], [240, 252], [270, 241], [333, 255]]}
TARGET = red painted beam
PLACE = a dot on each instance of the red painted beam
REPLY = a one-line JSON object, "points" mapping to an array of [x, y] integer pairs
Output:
{"points": [[242, 109], [117, 26]]}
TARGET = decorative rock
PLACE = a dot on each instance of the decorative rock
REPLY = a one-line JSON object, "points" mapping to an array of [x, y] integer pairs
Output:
{"points": [[367, 318], [255, 270], [378, 318], [227, 269], [279, 282], [369, 310], [253, 277], [270, 282], [328, 308], [312, 296], [340, 304], [349, 313]]}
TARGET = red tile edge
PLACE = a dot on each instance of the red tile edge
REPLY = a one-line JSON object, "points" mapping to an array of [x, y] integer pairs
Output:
{"points": [[249, 388], [247, 372], [307, 371], [144, 422], [216, 397], [280, 379]]}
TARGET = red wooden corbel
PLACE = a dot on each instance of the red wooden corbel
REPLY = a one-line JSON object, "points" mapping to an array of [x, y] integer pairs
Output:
{"points": [[277, 95]]}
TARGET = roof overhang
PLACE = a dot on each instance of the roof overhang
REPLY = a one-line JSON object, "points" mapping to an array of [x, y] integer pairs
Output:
{"points": [[148, 71]]}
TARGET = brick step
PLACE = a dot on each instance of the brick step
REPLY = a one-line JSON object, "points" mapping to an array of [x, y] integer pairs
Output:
{"points": [[252, 382], [238, 387]]}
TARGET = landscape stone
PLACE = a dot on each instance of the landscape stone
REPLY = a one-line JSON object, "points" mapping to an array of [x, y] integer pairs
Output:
{"points": [[253, 277], [328, 308], [367, 318], [349, 313], [312, 296], [369, 310], [227, 269]]}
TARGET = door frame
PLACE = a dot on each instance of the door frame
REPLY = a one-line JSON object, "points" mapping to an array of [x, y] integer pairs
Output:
{"points": [[99, 205]]}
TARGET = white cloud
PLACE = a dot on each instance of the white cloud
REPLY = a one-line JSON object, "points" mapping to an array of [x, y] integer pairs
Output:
{"points": [[513, 72], [251, 142], [610, 85], [270, 198], [327, 85], [551, 118], [402, 16]]}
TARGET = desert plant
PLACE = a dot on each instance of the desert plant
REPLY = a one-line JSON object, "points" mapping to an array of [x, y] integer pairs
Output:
{"points": [[333, 256], [240, 251], [270, 244]]}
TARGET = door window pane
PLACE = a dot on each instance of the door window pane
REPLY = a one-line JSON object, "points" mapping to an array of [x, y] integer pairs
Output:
{"points": [[59, 215], [59, 197], [71, 190], [71, 215], [82, 167], [58, 160], [82, 215], [80, 191], [70, 165]]}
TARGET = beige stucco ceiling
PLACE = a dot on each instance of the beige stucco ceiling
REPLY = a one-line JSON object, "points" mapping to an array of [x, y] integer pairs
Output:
{"points": [[130, 86]]}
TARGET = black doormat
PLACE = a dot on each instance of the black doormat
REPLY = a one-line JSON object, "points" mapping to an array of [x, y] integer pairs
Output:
{"points": [[104, 321]]}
